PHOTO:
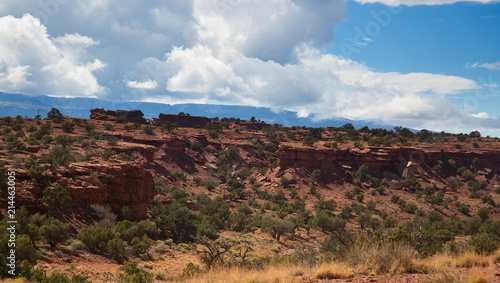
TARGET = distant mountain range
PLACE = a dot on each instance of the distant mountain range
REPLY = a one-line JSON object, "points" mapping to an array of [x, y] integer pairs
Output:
{"points": [[29, 106]]}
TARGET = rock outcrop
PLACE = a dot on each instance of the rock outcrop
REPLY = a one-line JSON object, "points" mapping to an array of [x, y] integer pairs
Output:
{"points": [[184, 120], [133, 116], [379, 160], [118, 185]]}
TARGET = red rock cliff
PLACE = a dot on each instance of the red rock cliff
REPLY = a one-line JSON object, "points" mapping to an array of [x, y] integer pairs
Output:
{"points": [[184, 120], [133, 116]]}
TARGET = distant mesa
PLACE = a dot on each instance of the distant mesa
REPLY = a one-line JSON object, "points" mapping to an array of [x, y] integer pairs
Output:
{"points": [[186, 121], [133, 116]]}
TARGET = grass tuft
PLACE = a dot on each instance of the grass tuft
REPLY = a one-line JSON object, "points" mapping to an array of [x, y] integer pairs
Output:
{"points": [[333, 271]]}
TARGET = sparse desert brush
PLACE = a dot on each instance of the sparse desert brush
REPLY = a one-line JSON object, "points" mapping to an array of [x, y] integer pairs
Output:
{"points": [[333, 270], [495, 257], [380, 258], [470, 259], [477, 277], [437, 262], [287, 273], [440, 261], [9, 280], [444, 276]]}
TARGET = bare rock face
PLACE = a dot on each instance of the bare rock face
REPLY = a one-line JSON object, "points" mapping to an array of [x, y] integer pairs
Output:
{"points": [[252, 126], [123, 184], [133, 116], [184, 120], [410, 169], [380, 161]]}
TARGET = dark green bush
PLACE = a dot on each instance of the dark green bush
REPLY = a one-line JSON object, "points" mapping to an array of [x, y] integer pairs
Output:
{"points": [[130, 272], [96, 238], [196, 146], [68, 127], [54, 232], [149, 130], [107, 153], [57, 198]]}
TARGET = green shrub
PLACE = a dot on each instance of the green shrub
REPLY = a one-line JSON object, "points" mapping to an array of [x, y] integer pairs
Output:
{"points": [[26, 250], [463, 208], [64, 140], [316, 174], [190, 271], [124, 156], [130, 272], [120, 119], [36, 173], [108, 127], [484, 243], [68, 127], [90, 128], [107, 153], [96, 238], [216, 127], [411, 208], [210, 185], [116, 247], [59, 156], [284, 181], [395, 198], [362, 173], [197, 146], [230, 154], [54, 232], [16, 145], [148, 130], [54, 112], [57, 198], [58, 277], [181, 175], [360, 197], [411, 183]]}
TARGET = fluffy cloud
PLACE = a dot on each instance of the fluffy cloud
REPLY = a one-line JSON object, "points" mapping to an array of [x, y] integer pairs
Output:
{"points": [[149, 84], [253, 52], [490, 66], [421, 2], [31, 63], [268, 30], [482, 115], [327, 85], [75, 39]]}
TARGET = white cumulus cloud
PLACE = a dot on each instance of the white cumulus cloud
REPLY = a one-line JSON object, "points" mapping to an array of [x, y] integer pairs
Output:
{"points": [[482, 115], [490, 66], [75, 39], [149, 84], [31, 63]]}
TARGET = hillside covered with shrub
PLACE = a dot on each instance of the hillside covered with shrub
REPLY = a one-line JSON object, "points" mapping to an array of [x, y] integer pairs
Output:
{"points": [[119, 197]]}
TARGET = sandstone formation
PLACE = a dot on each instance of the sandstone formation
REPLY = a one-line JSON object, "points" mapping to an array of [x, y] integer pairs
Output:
{"points": [[379, 160], [184, 120], [133, 116]]}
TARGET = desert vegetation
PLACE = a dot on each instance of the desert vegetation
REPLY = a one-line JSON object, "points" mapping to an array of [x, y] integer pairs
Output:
{"points": [[229, 200]]}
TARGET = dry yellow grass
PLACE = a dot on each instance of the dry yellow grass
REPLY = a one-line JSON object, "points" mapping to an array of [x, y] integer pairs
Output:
{"points": [[382, 258], [470, 259], [378, 259], [333, 270], [290, 273], [444, 276], [467, 259], [477, 277]]}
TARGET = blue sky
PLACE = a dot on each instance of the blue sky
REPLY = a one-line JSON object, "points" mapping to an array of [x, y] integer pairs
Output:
{"points": [[434, 64], [440, 39]]}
